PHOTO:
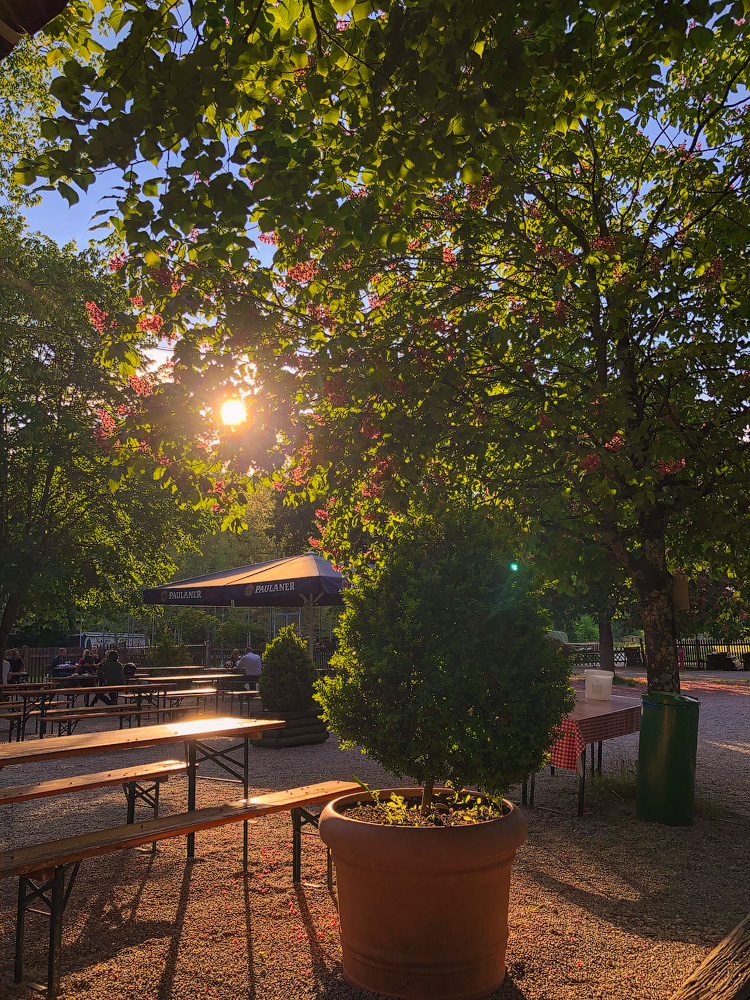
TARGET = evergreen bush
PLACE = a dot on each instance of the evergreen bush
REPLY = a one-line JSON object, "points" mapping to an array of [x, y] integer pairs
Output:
{"points": [[168, 653], [444, 669], [286, 683]]}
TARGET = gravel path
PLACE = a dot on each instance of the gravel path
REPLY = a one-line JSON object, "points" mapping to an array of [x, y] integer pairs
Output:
{"points": [[603, 906]]}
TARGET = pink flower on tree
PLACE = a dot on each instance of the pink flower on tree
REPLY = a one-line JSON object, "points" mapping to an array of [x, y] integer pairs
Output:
{"points": [[117, 262], [670, 468], [98, 317], [590, 463], [449, 258], [150, 324], [615, 444]]}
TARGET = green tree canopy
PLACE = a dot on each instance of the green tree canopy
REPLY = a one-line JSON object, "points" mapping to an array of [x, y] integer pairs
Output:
{"points": [[572, 345], [70, 525]]}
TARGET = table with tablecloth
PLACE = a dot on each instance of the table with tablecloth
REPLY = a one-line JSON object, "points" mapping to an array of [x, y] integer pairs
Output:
{"points": [[590, 722]]}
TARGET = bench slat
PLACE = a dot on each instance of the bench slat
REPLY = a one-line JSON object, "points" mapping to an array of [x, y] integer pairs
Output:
{"points": [[125, 711], [161, 770], [25, 860]]}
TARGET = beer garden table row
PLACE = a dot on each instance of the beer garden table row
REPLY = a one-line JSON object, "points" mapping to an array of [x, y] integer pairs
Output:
{"points": [[40, 697], [192, 734]]}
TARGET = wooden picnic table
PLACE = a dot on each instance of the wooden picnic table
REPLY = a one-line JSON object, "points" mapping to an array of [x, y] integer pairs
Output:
{"points": [[194, 668], [41, 698], [186, 678], [192, 734]]}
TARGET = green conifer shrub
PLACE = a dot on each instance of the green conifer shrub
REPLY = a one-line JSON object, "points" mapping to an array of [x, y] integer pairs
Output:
{"points": [[444, 669], [286, 683]]}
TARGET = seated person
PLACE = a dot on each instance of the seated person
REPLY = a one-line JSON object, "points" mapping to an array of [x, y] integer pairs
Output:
{"points": [[233, 660], [62, 657], [86, 666], [251, 666], [129, 671], [110, 673], [17, 666]]}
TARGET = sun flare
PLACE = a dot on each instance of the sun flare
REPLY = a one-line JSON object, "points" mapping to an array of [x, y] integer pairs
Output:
{"points": [[233, 412]]}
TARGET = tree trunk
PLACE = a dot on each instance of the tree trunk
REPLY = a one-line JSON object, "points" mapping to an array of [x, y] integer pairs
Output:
{"points": [[725, 972], [9, 617], [606, 642], [429, 785], [653, 584]]}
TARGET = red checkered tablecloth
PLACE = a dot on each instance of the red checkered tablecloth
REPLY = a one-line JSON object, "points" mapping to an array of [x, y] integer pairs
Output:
{"points": [[592, 722], [569, 746]]}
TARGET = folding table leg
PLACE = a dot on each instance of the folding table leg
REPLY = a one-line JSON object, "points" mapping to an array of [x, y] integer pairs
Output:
{"points": [[20, 928], [581, 780], [599, 758], [191, 754], [246, 769], [57, 906]]}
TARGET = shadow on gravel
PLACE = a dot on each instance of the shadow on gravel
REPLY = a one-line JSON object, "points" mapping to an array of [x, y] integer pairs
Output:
{"points": [[667, 883], [335, 987], [166, 982]]}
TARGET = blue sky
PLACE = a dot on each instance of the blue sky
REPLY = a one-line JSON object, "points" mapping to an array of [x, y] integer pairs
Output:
{"points": [[54, 217]]}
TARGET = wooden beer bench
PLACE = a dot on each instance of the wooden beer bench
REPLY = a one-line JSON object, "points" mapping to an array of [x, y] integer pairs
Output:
{"points": [[47, 872]]}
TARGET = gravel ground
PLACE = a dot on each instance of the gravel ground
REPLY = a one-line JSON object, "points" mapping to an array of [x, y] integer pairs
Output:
{"points": [[602, 906]]}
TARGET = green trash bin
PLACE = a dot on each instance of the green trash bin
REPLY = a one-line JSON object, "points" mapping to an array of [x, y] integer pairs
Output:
{"points": [[665, 787]]}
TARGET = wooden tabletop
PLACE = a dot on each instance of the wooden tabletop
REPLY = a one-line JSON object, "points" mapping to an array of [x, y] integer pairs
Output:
{"points": [[75, 689], [175, 678], [125, 739], [192, 666]]}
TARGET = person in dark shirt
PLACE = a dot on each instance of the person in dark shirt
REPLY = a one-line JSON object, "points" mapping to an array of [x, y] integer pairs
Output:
{"points": [[17, 666], [62, 657], [109, 673]]}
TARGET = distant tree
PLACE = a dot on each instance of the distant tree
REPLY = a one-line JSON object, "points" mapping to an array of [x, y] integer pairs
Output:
{"points": [[71, 524]]}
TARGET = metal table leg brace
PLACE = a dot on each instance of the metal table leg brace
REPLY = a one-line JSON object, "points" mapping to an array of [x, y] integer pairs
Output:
{"points": [[198, 753], [52, 893]]}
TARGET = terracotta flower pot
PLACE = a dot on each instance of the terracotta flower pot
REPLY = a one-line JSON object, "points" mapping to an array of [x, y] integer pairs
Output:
{"points": [[423, 912]]}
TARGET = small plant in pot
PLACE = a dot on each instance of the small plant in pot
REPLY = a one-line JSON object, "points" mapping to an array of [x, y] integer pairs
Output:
{"points": [[286, 689], [444, 673]]}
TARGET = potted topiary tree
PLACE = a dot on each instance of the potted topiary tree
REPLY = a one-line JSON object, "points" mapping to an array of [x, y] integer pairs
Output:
{"points": [[286, 689], [444, 672]]}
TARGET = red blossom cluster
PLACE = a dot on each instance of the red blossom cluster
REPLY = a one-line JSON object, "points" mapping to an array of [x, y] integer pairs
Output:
{"points": [[343, 25], [322, 514], [561, 310], [124, 410], [670, 468], [591, 463], [544, 422], [558, 254], [615, 444], [140, 386], [99, 317], [606, 243], [449, 258], [413, 245], [535, 211], [477, 195], [150, 324], [517, 306], [271, 238], [438, 323], [137, 301], [369, 430], [117, 262], [713, 271], [305, 271], [359, 192]]}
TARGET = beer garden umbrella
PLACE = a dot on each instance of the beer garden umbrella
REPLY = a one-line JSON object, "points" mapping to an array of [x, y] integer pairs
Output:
{"points": [[304, 581]]}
